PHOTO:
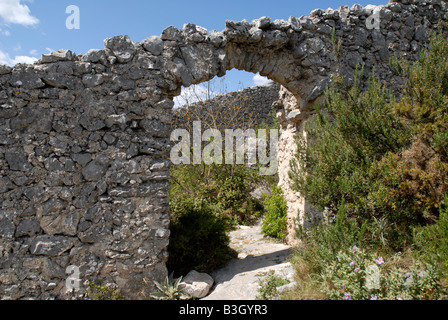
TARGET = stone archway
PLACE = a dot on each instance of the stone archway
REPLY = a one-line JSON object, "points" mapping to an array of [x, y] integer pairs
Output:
{"points": [[290, 53], [84, 140]]}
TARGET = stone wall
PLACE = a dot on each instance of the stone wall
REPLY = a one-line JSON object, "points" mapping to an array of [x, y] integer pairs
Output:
{"points": [[247, 108], [84, 139], [84, 175]]}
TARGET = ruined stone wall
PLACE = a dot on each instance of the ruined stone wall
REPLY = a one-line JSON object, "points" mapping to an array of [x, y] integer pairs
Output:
{"points": [[84, 139], [247, 108], [84, 175]]}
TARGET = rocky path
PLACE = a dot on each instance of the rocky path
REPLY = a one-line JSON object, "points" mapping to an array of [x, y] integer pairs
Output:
{"points": [[239, 279]]}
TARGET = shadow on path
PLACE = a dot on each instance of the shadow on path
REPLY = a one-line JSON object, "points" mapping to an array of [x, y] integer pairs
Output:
{"points": [[250, 263]]}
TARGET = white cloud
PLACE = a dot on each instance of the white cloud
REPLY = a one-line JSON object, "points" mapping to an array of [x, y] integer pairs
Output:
{"points": [[6, 59], [193, 94], [5, 33], [260, 81], [12, 11], [24, 59]]}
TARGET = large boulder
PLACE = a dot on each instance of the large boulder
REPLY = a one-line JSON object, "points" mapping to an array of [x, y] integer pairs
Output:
{"points": [[197, 284]]}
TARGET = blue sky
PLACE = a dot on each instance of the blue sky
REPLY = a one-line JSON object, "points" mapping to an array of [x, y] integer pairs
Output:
{"points": [[29, 28]]}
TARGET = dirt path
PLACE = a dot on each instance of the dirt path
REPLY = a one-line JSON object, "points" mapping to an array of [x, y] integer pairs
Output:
{"points": [[239, 279]]}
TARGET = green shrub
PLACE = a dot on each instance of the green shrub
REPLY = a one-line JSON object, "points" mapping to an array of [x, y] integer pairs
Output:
{"points": [[275, 216], [337, 163], [326, 239], [103, 292], [198, 238], [206, 202], [268, 285], [386, 159], [224, 188], [432, 240], [357, 274], [379, 167]]}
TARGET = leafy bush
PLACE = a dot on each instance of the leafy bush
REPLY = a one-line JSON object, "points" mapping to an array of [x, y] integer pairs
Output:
{"points": [[198, 238], [224, 188], [387, 160], [325, 240], [342, 148], [206, 202], [275, 216], [432, 240]]}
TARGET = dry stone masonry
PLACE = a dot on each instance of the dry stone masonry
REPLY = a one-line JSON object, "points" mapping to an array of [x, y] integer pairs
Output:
{"points": [[244, 109], [84, 139]]}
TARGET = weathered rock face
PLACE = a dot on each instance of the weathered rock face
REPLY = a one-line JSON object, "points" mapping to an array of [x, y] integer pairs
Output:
{"points": [[84, 140]]}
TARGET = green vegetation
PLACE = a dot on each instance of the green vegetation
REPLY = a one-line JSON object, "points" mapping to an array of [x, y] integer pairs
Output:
{"points": [[199, 239], [274, 219], [378, 166], [268, 286], [209, 200], [169, 289], [102, 292]]}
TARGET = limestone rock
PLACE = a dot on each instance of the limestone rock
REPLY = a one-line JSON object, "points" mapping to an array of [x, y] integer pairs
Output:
{"points": [[217, 38], [95, 56], [51, 245], [28, 227], [197, 284], [7, 228], [172, 33], [122, 47], [153, 44], [262, 23], [92, 80], [55, 56], [4, 69], [94, 171], [17, 160]]}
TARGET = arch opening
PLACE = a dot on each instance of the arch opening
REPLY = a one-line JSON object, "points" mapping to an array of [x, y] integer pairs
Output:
{"points": [[230, 191]]}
